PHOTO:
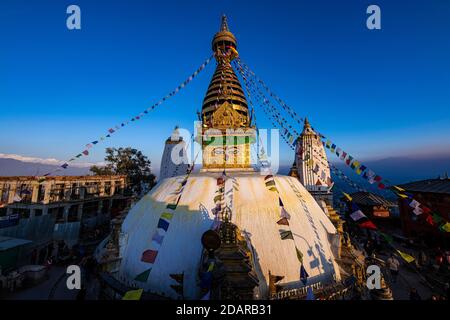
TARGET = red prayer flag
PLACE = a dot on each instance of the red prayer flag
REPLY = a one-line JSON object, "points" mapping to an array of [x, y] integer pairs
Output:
{"points": [[283, 221], [368, 225], [429, 220], [425, 209], [378, 178], [85, 152], [381, 185], [149, 256]]}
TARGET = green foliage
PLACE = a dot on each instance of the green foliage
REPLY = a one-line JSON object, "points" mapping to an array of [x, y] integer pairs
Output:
{"points": [[130, 162]]}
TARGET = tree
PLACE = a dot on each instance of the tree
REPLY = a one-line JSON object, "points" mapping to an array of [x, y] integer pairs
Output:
{"points": [[130, 162]]}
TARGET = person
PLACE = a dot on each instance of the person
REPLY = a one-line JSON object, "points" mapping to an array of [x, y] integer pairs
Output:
{"points": [[414, 295], [393, 264]]}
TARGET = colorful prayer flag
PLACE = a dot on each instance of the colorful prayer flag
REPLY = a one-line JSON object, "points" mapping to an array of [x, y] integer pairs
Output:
{"points": [[167, 215], [414, 203], [303, 274], [299, 255], [142, 277], [357, 215], [270, 183], [158, 238], [133, 295], [283, 221], [149, 256], [446, 227], [368, 225], [286, 234], [284, 213], [347, 196], [163, 224], [171, 206], [349, 160], [360, 169], [406, 256]]}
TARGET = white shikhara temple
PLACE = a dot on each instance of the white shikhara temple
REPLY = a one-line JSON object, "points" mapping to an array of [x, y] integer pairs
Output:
{"points": [[268, 225]]}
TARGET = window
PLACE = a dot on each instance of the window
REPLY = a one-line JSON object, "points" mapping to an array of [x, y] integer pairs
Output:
{"points": [[73, 213], [23, 213]]}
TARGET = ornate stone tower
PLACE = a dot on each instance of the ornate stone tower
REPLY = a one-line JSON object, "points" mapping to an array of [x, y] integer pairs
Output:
{"points": [[312, 165], [174, 160], [227, 132]]}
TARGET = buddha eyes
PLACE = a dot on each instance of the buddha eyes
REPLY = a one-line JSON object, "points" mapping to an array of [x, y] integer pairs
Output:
{"points": [[229, 151]]}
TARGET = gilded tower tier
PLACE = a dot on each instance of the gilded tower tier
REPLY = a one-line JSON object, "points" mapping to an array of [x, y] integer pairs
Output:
{"points": [[227, 131]]}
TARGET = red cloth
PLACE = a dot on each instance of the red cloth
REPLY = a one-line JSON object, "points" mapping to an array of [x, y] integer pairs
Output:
{"points": [[149, 256], [368, 225]]}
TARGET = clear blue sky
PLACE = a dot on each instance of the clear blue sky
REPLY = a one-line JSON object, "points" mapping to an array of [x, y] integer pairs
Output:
{"points": [[377, 93]]}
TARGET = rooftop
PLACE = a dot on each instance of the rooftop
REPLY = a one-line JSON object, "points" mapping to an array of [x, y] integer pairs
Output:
{"points": [[439, 185], [371, 199], [60, 178]]}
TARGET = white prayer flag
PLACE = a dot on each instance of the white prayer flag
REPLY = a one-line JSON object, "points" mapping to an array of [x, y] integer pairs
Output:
{"points": [[414, 204], [357, 215], [417, 211]]}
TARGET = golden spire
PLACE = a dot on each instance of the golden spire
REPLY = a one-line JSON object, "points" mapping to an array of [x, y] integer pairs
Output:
{"points": [[225, 85]]}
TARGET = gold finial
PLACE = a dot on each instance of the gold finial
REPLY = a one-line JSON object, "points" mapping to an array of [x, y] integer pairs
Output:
{"points": [[224, 25], [307, 125]]}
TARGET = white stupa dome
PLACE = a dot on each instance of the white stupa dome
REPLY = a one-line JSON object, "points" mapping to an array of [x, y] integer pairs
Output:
{"points": [[255, 211]]}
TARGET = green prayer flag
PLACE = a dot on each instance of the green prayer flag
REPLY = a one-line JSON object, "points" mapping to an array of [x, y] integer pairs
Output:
{"points": [[142, 277], [299, 255], [286, 235], [387, 237], [436, 218], [171, 206]]}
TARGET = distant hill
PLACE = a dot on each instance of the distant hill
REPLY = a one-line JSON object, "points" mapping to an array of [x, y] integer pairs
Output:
{"points": [[13, 167], [406, 169], [398, 169]]}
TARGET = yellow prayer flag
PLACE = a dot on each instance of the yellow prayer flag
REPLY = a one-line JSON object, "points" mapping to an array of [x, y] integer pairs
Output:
{"points": [[406, 256], [399, 189], [133, 294], [446, 227], [404, 196], [167, 215], [347, 196], [210, 267]]}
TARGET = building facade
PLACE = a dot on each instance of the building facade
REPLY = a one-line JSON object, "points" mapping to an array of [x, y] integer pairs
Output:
{"points": [[311, 165], [433, 193], [174, 160], [44, 210]]}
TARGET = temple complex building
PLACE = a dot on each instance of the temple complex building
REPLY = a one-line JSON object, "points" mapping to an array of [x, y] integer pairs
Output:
{"points": [[311, 165], [435, 194], [231, 231], [174, 159], [43, 210], [227, 132]]}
